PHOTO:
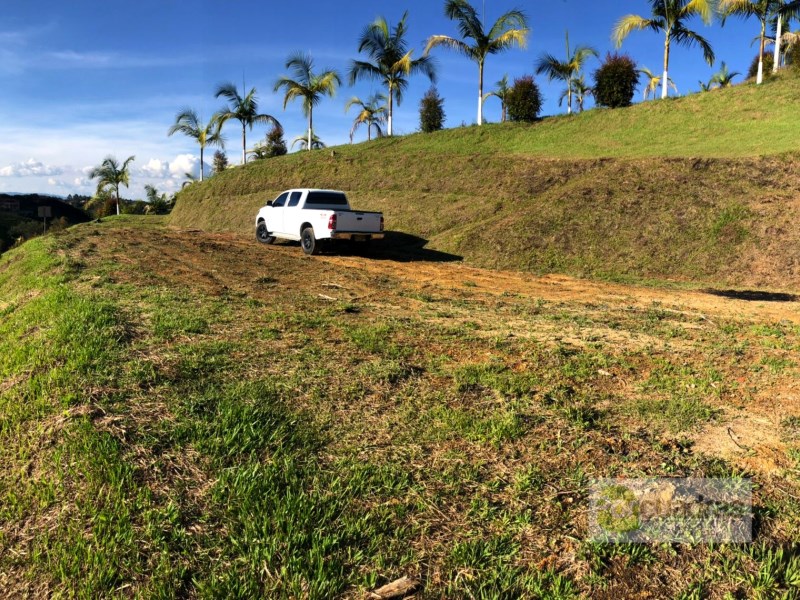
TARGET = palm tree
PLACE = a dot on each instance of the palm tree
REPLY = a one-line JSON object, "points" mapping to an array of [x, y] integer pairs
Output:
{"points": [[763, 10], [511, 29], [372, 114], [392, 63], [580, 90], [309, 86], [187, 123], [670, 16], [705, 87], [244, 110], [567, 70], [723, 78], [653, 81], [785, 12], [302, 140], [501, 93], [110, 175]]}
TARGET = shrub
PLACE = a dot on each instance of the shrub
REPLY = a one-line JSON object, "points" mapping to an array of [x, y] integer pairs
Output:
{"points": [[769, 60], [431, 111], [275, 144], [524, 100], [220, 161], [615, 81]]}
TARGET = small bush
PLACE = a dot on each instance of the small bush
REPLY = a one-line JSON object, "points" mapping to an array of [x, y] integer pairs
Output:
{"points": [[431, 111], [524, 100], [769, 60], [220, 161], [276, 145], [615, 81]]}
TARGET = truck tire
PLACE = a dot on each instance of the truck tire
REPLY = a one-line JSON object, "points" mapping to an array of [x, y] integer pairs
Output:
{"points": [[308, 241], [262, 234]]}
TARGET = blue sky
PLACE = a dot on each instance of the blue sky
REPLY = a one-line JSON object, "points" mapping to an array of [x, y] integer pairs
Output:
{"points": [[84, 79]]}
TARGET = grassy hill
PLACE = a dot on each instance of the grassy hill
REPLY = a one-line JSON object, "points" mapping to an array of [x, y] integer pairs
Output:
{"points": [[701, 188]]}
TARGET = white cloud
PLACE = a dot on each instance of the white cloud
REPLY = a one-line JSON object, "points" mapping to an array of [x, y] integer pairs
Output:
{"points": [[30, 168], [155, 168], [185, 163]]}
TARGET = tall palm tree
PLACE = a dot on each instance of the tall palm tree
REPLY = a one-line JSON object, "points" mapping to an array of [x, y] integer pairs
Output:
{"points": [[372, 114], [669, 17], [244, 110], [511, 29], [302, 140], [763, 10], [786, 11], [188, 123], [580, 90], [501, 93], [723, 78], [391, 61], [567, 70], [654, 81], [309, 86], [110, 175]]}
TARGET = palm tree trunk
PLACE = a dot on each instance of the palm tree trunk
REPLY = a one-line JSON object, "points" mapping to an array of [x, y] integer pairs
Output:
{"points": [[665, 81], [760, 77], [777, 61], [201, 164], [391, 105], [569, 95], [116, 188], [310, 125], [244, 144], [480, 92]]}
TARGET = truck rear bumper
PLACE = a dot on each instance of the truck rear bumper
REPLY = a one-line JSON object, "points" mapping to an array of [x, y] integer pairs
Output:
{"points": [[356, 235]]}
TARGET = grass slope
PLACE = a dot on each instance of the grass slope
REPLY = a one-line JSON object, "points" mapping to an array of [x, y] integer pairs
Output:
{"points": [[701, 188], [184, 416]]}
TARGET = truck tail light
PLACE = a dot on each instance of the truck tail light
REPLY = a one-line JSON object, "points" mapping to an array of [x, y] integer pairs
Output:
{"points": [[332, 222], [381, 222]]}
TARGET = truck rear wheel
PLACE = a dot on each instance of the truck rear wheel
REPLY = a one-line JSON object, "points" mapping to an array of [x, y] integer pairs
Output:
{"points": [[308, 241], [262, 234]]}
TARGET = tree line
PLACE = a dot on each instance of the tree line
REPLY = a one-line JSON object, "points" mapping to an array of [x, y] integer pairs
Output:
{"points": [[386, 58]]}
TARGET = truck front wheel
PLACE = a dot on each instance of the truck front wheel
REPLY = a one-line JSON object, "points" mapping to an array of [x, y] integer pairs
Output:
{"points": [[262, 233], [308, 241]]}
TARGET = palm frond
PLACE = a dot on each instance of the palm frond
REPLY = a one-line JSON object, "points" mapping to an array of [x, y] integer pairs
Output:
{"points": [[448, 42], [688, 38], [513, 19], [703, 8], [630, 23], [515, 37]]}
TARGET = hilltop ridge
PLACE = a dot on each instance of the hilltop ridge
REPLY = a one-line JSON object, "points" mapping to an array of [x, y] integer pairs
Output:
{"points": [[700, 188]]}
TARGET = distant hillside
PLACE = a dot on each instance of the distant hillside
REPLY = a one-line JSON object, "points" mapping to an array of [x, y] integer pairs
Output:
{"points": [[701, 188], [19, 215]]}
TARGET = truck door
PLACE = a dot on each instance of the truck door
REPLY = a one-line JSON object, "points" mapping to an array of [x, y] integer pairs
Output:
{"points": [[292, 215], [275, 220]]}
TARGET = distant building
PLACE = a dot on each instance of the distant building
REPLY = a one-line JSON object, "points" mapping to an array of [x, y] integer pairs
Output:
{"points": [[9, 205]]}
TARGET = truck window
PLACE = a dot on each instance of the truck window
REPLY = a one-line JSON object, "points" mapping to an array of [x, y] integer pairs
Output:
{"points": [[317, 198], [294, 199], [280, 200]]}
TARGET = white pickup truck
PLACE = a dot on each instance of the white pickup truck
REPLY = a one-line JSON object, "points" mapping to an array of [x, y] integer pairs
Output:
{"points": [[314, 216]]}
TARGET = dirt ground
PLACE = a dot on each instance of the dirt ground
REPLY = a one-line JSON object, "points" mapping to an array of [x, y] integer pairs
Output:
{"points": [[218, 263]]}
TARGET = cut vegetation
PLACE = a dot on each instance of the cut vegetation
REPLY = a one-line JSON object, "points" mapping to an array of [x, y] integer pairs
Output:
{"points": [[192, 414], [699, 189]]}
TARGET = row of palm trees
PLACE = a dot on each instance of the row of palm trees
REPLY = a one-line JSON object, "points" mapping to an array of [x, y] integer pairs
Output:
{"points": [[389, 61], [670, 17]]}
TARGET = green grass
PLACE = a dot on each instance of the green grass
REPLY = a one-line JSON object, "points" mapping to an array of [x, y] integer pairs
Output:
{"points": [[164, 440], [694, 189]]}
